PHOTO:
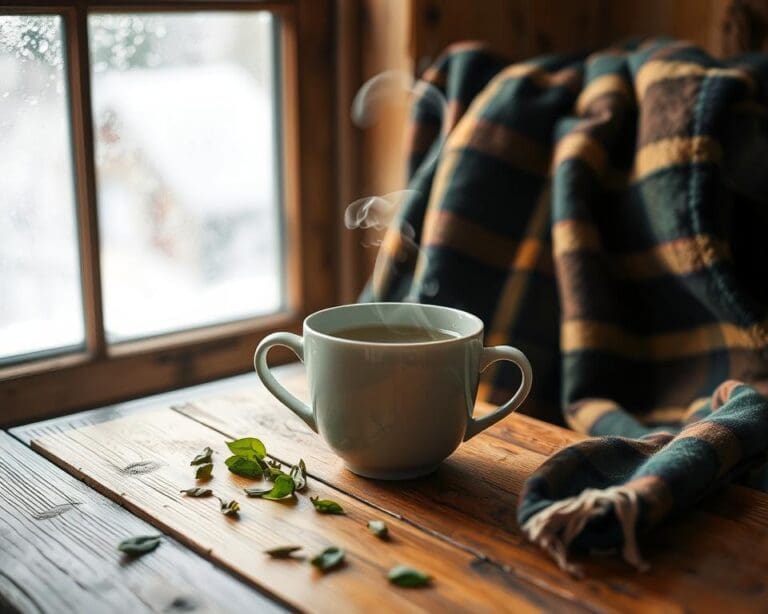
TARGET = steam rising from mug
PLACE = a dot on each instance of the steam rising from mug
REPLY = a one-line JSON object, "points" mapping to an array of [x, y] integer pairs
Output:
{"points": [[395, 86], [380, 212]]}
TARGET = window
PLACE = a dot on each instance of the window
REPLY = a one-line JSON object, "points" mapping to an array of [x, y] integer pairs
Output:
{"points": [[167, 194]]}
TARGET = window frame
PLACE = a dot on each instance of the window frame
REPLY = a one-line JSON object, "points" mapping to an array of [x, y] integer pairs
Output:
{"points": [[104, 373]]}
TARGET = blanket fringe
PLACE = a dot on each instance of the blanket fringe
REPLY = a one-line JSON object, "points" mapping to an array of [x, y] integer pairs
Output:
{"points": [[555, 527]]}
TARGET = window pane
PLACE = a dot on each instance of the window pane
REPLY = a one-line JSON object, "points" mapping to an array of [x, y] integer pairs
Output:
{"points": [[187, 169], [40, 300]]}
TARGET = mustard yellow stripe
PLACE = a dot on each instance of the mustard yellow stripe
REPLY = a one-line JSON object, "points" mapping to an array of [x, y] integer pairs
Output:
{"points": [[680, 257], [447, 229], [661, 70], [663, 415], [501, 142], [587, 414], [574, 235], [601, 86], [695, 406], [578, 335], [677, 150], [513, 292], [655, 492], [723, 441], [580, 146], [541, 77]]}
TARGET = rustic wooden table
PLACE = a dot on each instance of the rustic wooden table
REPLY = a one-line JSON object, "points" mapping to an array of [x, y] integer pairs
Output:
{"points": [[58, 535]]}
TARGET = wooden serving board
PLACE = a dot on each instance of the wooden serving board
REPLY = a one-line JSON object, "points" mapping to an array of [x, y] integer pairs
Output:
{"points": [[457, 524]]}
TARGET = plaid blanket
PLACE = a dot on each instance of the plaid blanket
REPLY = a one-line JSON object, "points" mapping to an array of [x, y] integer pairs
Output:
{"points": [[607, 215]]}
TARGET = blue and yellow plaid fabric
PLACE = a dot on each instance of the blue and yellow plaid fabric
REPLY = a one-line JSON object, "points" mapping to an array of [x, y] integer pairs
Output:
{"points": [[608, 215]]}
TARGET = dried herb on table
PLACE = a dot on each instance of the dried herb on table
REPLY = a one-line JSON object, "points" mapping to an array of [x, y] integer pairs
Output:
{"points": [[326, 506], [282, 488], [328, 559], [272, 470], [229, 508], [196, 491], [204, 472], [249, 468], [408, 577], [379, 528], [142, 544], [248, 447], [283, 552], [203, 458], [299, 475]]}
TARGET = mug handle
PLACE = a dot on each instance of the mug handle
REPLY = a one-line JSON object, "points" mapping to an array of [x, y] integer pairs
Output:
{"points": [[489, 356], [296, 344]]}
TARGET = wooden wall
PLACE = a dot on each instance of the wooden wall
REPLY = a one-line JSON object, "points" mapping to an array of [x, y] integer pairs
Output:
{"points": [[409, 34]]}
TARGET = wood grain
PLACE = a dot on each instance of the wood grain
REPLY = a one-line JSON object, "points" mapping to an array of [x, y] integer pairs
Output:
{"points": [[471, 501], [57, 545], [163, 441]]}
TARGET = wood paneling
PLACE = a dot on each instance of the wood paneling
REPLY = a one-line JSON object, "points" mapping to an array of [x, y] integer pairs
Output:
{"points": [[58, 541]]}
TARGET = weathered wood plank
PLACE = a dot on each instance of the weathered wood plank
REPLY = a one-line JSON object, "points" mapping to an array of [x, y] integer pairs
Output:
{"points": [[164, 441], [57, 551], [472, 497]]}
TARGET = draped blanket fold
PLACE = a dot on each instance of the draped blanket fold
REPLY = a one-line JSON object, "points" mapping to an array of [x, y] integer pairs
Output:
{"points": [[608, 215]]}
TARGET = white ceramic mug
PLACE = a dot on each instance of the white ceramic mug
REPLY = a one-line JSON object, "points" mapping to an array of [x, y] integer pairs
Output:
{"points": [[392, 410]]}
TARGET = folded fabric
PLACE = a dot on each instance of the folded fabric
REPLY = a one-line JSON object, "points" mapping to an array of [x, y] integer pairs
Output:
{"points": [[597, 494], [607, 215]]}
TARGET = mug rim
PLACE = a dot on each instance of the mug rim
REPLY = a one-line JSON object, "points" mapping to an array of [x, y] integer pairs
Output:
{"points": [[478, 330]]}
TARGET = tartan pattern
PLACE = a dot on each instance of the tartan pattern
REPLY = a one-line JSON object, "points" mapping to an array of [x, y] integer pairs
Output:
{"points": [[607, 215]]}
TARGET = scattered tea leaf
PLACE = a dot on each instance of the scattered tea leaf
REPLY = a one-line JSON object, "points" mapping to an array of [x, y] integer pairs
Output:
{"points": [[196, 491], [282, 488], [283, 552], [245, 467], [326, 506], [248, 447], [257, 491], [379, 528], [229, 508], [299, 475], [203, 458], [408, 577], [272, 470], [136, 546], [328, 559], [204, 472]]}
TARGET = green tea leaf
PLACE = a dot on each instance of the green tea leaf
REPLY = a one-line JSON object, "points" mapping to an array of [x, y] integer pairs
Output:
{"points": [[257, 491], [328, 559], [248, 447], [281, 489], [203, 458], [136, 546], [204, 472], [197, 492], [326, 506], [299, 475], [229, 508], [379, 528], [244, 466], [272, 470], [283, 552], [408, 577]]}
